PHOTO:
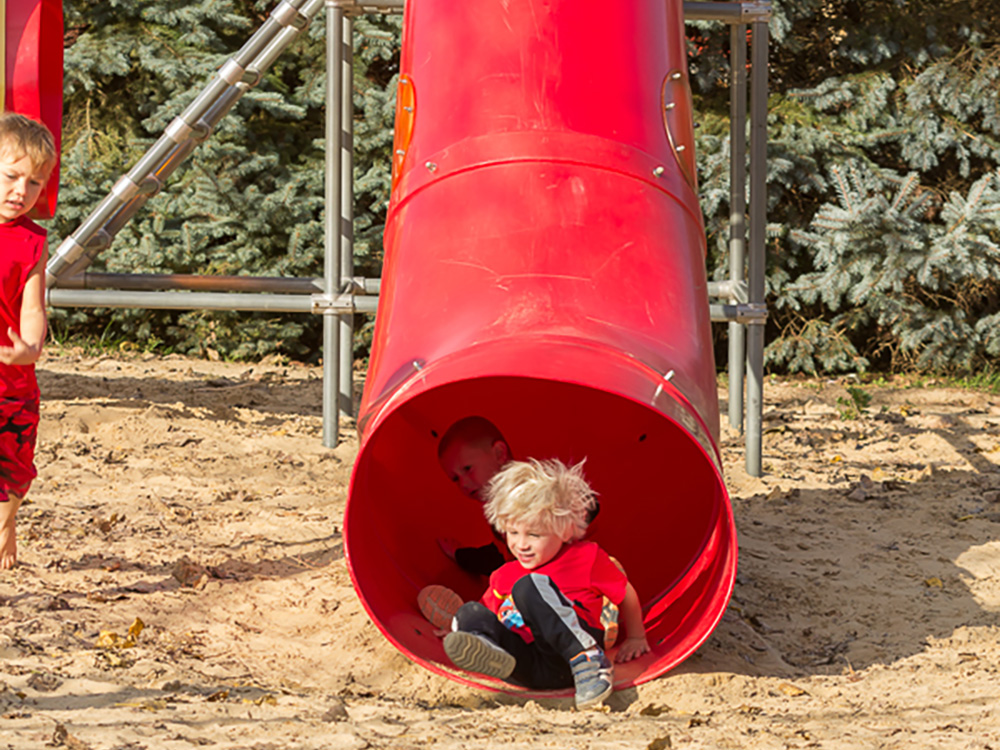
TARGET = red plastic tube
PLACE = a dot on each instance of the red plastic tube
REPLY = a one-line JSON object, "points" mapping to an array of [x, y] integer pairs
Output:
{"points": [[545, 269], [33, 75]]}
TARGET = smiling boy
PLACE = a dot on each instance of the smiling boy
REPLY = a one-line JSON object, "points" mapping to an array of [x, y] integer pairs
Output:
{"points": [[539, 622]]}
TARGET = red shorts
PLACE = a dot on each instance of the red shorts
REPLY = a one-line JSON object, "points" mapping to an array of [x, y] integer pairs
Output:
{"points": [[18, 433]]}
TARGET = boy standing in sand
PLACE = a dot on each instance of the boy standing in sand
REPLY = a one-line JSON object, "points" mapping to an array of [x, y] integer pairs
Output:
{"points": [[539, 622], [27, 156]]}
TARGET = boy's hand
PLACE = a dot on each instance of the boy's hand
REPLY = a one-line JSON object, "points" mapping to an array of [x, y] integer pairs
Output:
{"points": [[19, 353], [632, 648]]}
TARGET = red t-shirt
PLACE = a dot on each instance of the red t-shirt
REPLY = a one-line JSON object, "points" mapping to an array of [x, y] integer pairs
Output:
{"points": [[22, 243], [583, 572]]}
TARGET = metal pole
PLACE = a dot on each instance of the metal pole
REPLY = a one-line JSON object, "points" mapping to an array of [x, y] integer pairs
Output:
{"points": [[153, 281], [737, 209], [277, 284], [347, 215], [331, 222], [360, 285], [179, 300], [276, 303], [355, 7], [757, 265], [731, 290]]}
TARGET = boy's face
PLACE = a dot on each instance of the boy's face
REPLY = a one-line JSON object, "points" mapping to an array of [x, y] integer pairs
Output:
{"points": [[21, 183], [531, 545], [472, 466]]}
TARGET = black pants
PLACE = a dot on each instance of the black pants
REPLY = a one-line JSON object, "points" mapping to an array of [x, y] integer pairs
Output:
{"points": [[559, 633]]}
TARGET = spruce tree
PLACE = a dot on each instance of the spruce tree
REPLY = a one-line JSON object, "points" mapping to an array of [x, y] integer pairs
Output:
{"points": [[882, 184]]}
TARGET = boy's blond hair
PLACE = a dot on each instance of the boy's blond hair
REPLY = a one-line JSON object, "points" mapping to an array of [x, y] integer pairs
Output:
{"points": [[21, 136], [549, 494]]}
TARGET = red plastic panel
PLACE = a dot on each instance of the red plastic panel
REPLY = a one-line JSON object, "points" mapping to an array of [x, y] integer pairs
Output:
{"points": [[34, 75], [544, 269]]}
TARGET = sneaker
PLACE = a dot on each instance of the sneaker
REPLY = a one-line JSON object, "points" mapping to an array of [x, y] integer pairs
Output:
{"points": [[593, 675], [439, 605], [477, 653]]}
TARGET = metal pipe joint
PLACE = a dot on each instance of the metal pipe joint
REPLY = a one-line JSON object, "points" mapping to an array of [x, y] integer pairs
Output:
{"points": [[359, 7]]}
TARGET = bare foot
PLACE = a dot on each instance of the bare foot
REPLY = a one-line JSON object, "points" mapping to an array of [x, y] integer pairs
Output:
{"points": [[8, 531]]}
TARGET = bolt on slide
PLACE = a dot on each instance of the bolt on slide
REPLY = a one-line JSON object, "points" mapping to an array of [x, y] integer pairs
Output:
{"points": [[545, 269]]}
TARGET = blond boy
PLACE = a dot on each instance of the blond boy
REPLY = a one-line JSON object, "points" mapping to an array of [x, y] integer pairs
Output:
{"points": [[539, 622]]}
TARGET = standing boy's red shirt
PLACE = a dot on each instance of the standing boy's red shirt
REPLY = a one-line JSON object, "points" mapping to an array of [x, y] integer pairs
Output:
{"points": [[582, 571], [22, 243]]}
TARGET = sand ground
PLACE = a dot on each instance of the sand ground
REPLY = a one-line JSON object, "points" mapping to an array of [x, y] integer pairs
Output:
{"points": [[196, 497]]}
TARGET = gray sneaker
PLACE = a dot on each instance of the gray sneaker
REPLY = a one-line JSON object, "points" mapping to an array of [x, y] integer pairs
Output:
{"points": [[593, 675], [477, 653]]}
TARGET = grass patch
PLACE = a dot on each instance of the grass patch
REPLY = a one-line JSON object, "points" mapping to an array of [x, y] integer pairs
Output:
{"points": [[988, 381]]}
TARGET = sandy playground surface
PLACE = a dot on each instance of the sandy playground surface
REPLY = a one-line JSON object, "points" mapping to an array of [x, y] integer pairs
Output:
{"points": [[196, 497]]}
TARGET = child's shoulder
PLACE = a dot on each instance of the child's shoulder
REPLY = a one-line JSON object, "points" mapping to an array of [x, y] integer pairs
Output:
{"points": [[593, 553], [587, 547]]}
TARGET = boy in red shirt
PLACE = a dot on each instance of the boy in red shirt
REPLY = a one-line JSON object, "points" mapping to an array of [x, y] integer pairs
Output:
{"points": [[539, 622], [27, 156]]}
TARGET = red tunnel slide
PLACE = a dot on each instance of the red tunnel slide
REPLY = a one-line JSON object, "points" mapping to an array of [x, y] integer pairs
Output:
{"points": [[545, 269]]}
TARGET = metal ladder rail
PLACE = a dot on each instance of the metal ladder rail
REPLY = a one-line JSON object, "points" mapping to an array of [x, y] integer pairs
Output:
{"points": [[234, 78]]}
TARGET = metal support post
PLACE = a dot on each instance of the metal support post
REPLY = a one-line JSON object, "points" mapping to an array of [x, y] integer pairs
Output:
{"points": [[331, 221], [276, 284], [177, 281], [176, 300], [347, 212], [737, 209], [757, 260]]}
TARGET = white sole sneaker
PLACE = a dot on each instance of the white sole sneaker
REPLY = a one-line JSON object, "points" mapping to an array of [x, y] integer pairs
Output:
{"points": [[476, 653]]}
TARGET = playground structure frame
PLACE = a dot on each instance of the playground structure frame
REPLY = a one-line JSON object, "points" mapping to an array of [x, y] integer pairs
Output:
{"points": [[338, 294]]}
